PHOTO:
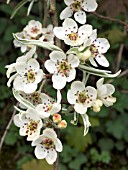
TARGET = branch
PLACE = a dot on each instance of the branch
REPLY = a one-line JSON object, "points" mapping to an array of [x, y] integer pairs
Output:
{"points": [[7, 128], [111, 19]]}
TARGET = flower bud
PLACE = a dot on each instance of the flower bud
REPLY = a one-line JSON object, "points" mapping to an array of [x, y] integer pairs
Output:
{"points": [[62, 124], [96, 108], [97, 105], [56, 118]]}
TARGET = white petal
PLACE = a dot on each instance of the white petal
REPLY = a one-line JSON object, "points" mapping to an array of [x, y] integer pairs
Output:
{"points": [[59, 97], [59, 32], [71, 97], [50, 133], [89, 5], [102, 91], [92, 95], [57, 56], [29, 88], [39, 76], [33, 64], [40, 152], [58, 145], [92, 61], [17, 121], [70, 25], [68, 2], [72, 75], [59, 81], [31, 113], [93, 36], [32, 136], [41, 111], [100, 82], [80, 17], [110, 89], [85, 30], [23, 130], [21, 68], [102, 45], [55, 108], [23, 48], [38, 140], [51, 156], [102, 60], [77, 86], [73, 60], [50, 66], [66, 13], [80, 108]]}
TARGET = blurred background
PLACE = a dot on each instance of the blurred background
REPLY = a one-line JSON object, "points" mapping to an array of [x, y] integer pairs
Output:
{"points": [[105, 147]]}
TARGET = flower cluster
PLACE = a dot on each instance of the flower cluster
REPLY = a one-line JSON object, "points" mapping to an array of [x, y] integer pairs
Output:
{"points": [[39, 110]]}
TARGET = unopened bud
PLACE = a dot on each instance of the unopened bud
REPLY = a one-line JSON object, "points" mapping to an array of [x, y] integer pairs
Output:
{"points": [[96, 109], [86, 55], [56, 118], [62, 124]]}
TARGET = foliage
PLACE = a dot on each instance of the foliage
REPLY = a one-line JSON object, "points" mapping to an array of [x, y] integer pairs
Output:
{"points": [[105, 146]]}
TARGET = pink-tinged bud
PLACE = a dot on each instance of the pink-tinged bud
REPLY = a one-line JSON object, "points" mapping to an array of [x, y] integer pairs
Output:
{"points": [[56, 118], [62, 124]]}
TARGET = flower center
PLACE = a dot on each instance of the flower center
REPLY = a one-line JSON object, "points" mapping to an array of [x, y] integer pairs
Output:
{"points": [[32, 126], [94, 50], [34, 30], [35, 97], [76, 6], [31, 76], [82, 97], [64, 67], [73, 36], [48, 143]]}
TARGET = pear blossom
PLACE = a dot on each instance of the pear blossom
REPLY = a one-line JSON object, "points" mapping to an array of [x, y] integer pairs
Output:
{"points": [[81, 97], [104, 92], [47, 146], [30, 124], [78, 7], [28, 74], [96, 49], [71, 34], [33, 29], [49, 106], [62, 67]]}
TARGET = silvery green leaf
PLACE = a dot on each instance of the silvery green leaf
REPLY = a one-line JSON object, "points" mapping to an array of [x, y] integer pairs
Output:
{"points": [[86, 123], [19, 5], [73, 50], [20, 99], [19, 110], [39, 43], [98, 72], [30, 7]]}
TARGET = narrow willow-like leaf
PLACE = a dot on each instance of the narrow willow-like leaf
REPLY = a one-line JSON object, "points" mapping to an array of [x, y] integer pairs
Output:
{"points": [[30, 7], [39, 43], [19, 5], [19, 110], [73, 50], [97, 72], [86, 123], [20, 99]]}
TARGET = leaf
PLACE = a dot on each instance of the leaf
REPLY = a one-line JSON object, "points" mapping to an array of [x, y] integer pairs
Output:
{"points": [[37, 165], [80, 142], [94, 121], [98, 72], [20, 99], [39, 43], [76, 163], [106, 144], [19, 5]]}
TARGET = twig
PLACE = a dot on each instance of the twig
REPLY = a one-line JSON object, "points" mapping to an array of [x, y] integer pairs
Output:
{"points": [[119, 57], [111, 19], [54, 18], [7, 128]]}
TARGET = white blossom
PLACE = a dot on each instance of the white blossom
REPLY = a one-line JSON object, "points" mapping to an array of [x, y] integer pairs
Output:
{"points": [[30, 124], [81, 97], [104, 92], [28, 74], [33, 29], [96, 49], [47, 146], [49, 106], [71, 34], [62, 67], [78, 7]]}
